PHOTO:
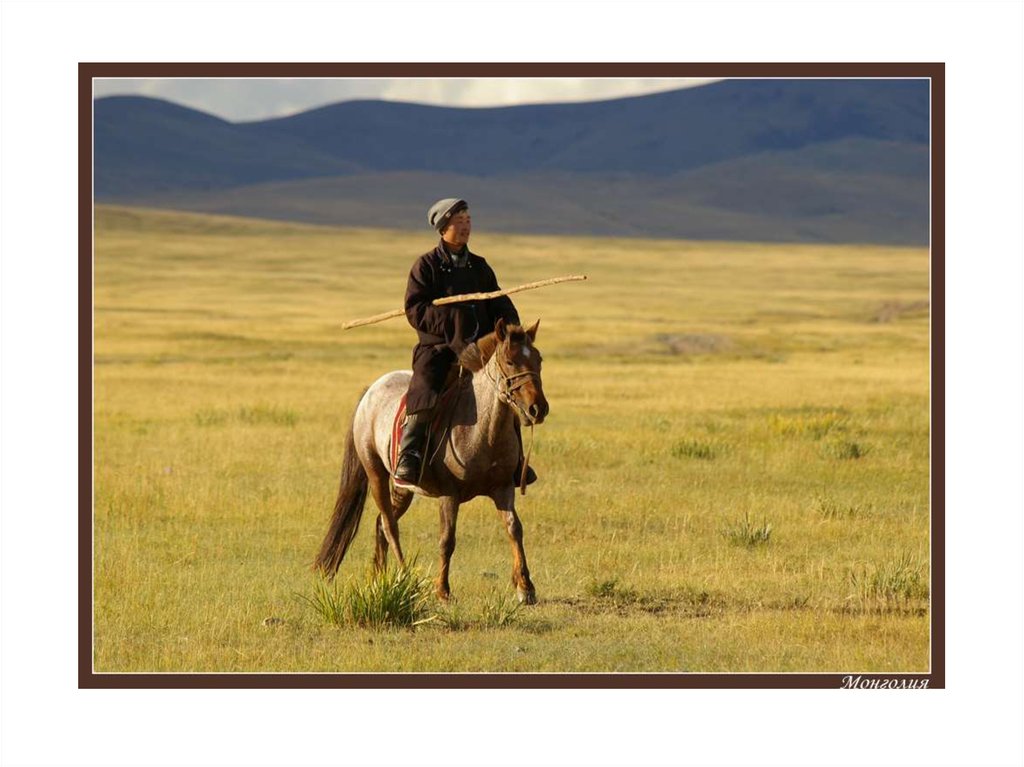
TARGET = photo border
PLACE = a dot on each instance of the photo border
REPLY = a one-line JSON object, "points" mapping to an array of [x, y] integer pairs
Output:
{"points": [[90, 679]]}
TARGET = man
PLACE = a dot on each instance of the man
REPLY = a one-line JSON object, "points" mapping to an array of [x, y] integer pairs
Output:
{"points": [[445, 331]]}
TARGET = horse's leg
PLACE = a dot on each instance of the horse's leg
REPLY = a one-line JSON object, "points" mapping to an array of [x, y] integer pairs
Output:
{"points": [[400, 501], [505, 499], [380, 552], [380, 487], [449, 516]]}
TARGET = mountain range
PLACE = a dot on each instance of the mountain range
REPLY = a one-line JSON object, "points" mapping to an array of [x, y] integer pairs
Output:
{"points": [[819, 160]]}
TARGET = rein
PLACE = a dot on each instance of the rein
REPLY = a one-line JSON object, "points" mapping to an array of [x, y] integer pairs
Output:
{"points": [[526, 464], [505, 386]]}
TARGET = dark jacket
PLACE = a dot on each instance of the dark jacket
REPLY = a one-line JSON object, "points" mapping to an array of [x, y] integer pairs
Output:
{"points": [[443, 331], [453, 325]]}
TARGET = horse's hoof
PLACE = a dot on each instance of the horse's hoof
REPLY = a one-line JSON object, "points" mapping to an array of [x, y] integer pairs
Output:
{"points": [[526, 597]]}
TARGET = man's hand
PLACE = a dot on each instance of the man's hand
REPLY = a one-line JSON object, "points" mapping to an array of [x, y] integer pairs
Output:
{"points": [[471, 358]]}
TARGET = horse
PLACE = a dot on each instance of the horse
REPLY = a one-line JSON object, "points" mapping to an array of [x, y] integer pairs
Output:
{"points": [[477, 454]]}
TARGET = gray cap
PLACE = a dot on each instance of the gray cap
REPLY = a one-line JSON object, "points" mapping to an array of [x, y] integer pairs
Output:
{"points": [[441, 212]]}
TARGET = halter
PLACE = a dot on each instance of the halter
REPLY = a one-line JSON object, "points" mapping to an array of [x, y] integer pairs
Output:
{"points": [[506, 385]]}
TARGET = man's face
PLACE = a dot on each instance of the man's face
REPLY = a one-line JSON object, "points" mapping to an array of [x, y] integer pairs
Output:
{"points": [[457, 233]]}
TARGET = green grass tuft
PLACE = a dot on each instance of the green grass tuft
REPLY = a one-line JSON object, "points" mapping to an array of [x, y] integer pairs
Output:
{"points": [[813, 425], [691, 448], [327, 601], [264, 414], [251, 415], [211, 417], [845, 450], [601, 588], [829, 508], [902, 579], [500, 609], [395, 597], [452, 617], [610, 589], [745, 532]]}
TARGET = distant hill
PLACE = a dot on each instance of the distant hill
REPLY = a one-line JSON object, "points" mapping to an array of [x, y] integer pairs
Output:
{"points": [[805, 160], [144, 145]]}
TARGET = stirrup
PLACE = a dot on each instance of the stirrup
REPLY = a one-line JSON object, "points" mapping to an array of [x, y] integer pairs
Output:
{"points": [[408, 469]]}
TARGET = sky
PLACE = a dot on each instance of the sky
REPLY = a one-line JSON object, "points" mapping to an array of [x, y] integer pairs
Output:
{"points": [[256, 99]]}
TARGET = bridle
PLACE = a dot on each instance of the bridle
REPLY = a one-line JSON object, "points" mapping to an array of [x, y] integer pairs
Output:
{"points": [[505, 386]]}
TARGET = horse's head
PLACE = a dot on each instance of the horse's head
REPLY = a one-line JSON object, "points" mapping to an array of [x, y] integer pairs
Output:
{"points": [[512, 360]]}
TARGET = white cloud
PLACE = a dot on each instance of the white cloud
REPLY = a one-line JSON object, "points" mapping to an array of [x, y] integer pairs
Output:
{"points": [[254, 99], [481, 92]]}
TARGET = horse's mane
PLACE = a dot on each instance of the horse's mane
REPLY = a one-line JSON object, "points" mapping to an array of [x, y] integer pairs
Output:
{"points": [[475, 358]]}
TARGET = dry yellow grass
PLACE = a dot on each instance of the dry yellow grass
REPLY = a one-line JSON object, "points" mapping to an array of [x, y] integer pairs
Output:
{"points": [[694, 387]]}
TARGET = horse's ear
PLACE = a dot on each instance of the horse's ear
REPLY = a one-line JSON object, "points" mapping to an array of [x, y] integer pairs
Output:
{"points": [[532, 330], [499, 329]]}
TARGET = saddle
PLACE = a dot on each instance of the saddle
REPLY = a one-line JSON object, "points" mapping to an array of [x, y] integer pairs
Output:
{"points": [[445, 402]]}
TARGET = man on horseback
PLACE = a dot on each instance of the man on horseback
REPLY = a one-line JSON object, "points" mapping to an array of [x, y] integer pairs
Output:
{"points": [[445, 332]]}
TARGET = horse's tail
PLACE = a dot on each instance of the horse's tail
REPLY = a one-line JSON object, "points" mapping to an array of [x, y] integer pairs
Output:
{"points": [[348, 510]]}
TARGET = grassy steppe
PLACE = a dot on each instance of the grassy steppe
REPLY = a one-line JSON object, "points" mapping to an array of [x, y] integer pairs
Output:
{"points": [[701, 393]]}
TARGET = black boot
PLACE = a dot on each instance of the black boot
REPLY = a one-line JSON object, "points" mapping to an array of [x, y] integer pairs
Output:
{"points": [[410, 458], [531, 475]]}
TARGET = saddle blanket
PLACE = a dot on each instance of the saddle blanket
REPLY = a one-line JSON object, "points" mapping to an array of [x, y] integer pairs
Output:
{"points": [[396, 434], [444, 402]]}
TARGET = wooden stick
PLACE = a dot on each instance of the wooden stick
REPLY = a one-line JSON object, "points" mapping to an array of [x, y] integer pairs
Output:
{"points": [[466, 297], [498, 293], [373, 319]]}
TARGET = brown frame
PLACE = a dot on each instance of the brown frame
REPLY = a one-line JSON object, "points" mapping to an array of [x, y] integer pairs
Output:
{"points": [[87, 678]]}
